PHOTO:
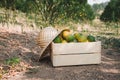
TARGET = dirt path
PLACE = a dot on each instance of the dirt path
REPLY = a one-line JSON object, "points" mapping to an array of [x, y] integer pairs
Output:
{"points": [[24, 47]]}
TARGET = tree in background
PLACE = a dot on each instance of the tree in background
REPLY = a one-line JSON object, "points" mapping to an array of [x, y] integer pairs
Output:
{"points": [[26, 6], [7, 4], [99, 8], [52, 11], [112, 11]]}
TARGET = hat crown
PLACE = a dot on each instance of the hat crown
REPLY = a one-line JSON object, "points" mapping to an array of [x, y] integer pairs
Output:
{"points": [[46, 35]]}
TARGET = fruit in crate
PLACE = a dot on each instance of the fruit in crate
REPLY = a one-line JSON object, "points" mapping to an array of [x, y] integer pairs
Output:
{"points": [[66, 36], [70, 38], [91, 38], [64, 41], [65, 33], [80, 37], [58, 39], [77, 35]]}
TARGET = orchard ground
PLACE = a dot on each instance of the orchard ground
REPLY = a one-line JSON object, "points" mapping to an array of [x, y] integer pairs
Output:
{"points": [[14, 43]]}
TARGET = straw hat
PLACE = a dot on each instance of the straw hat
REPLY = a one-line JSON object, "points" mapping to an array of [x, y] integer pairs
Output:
{"points": [[45, 37]]}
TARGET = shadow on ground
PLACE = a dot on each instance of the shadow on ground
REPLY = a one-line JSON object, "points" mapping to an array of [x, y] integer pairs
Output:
{"points": [[24, 47], [109, 69]]}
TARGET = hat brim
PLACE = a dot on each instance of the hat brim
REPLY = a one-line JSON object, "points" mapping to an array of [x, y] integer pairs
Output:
{"points": [[42, 51]]}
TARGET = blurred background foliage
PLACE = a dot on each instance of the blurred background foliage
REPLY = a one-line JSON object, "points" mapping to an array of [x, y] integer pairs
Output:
{"points": [[52, 11], [104, 17], [111, 12]]}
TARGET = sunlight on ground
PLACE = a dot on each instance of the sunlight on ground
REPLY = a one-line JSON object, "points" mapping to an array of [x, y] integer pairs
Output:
{"points": [[107, 58], [25, 49], [115, 71], [110, 62]]}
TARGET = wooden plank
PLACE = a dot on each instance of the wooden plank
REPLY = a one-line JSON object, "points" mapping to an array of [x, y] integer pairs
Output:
{"points": [[81, 59], [74, 48]]}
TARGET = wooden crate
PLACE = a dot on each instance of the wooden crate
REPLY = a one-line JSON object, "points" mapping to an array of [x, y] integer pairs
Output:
{"points": [[65, 54]]}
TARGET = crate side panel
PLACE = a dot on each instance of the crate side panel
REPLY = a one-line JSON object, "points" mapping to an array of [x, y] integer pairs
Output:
{"points": [[71, 48], [66, 60]]}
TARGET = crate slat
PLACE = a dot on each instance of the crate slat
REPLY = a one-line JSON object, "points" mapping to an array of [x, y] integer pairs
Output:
{"points": [[76, 53], [73, 48], [66, 60]]}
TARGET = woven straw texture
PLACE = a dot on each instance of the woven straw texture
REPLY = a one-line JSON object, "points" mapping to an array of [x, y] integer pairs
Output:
{"points": [[46, 36]]}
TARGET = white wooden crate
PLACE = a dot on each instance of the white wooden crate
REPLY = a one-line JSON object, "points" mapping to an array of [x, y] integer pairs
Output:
{"points": [[65, 54]]}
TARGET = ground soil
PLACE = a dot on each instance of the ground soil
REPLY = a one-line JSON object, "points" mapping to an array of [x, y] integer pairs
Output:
{"points": [[24, 46]]}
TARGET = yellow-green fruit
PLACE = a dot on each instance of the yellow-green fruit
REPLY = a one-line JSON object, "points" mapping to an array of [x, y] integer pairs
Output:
{"points": [[65, 33], [91, 38], [77, 35], [70, 38], [58, 39], [82, 38], [64, 41]]}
